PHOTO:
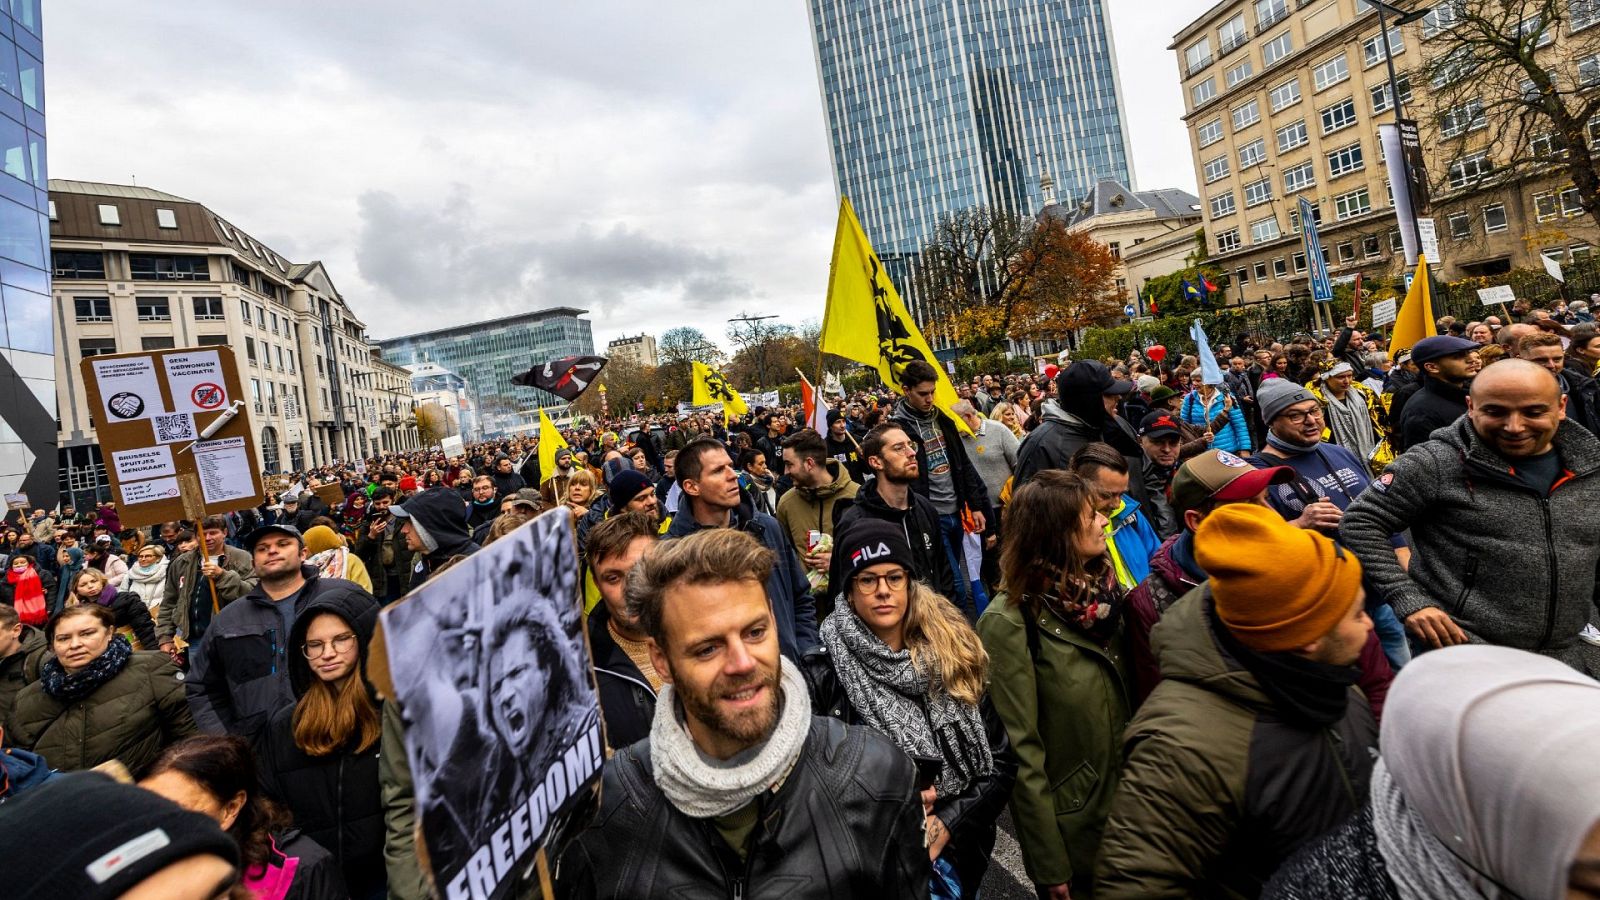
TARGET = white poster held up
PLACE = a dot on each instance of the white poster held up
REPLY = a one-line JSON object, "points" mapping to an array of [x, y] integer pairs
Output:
{"points": [[196, 381], [1383, 312], [452, 446], [1553, 268], [224, 467], [1500, 293], [143, 462], [502, 720], [129, 388]]}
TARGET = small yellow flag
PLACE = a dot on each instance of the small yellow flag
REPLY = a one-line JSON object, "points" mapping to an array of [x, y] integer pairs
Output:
{"points": [[1415, 319], [550, 440], [711, 387], [866, 320]]}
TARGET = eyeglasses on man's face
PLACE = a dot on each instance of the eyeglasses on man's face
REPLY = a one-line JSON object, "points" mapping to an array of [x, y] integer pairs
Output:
{"points": [[1298, 417]]}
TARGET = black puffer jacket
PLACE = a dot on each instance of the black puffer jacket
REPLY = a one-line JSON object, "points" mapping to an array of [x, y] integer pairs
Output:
{"points": [[334, 798], [1065, 427], [1434, 405], [847, 822], [971, 814], [440, 514], [626, 700]]}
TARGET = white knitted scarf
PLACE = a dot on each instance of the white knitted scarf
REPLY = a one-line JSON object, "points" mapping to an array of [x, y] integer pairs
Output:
{"points": [[702, 790], [1420, 865]]}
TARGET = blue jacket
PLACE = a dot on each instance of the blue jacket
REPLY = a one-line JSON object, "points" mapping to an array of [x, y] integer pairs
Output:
{"points": [[1234, 437], [787, 588], [1135, 540]]}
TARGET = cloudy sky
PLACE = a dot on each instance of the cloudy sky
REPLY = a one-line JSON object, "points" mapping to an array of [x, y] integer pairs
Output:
{"points": [[655, 163]]}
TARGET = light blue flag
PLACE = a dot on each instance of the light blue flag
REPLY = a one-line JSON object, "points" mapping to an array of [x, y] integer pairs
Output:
{"points": [[1209, 372]]}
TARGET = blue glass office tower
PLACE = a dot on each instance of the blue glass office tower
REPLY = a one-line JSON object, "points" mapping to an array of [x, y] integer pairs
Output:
{"points": [[27, 344], [939, 105]]}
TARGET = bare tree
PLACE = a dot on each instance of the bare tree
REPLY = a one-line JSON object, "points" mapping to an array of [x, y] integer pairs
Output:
{"points": [[1516, 80], [755, 336]]}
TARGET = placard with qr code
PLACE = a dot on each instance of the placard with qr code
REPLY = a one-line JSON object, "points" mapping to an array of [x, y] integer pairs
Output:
{"points": [[174, 428]]}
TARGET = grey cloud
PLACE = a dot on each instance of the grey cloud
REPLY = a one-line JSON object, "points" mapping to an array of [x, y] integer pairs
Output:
{"points": [[435, 256]]}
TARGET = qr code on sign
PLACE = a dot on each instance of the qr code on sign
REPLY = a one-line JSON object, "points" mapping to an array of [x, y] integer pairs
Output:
{"points": [[173, 428]]}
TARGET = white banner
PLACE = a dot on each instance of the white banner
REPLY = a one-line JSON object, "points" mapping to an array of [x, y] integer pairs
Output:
{"points": [[1383, 312], [1500, 293]]}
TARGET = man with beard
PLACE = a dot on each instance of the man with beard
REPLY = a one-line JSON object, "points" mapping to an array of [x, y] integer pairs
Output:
{"points": [[712, 499], [485, 504], [1160, 438], [434, 525], [554, 489], [1582, 392], [506, 479], [723, 798], [1447, 365], [842, 445], [888, 495]]}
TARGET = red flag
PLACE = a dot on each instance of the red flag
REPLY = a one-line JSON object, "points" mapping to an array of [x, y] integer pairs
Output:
{"points": [[1356, 311], [816, 413]]}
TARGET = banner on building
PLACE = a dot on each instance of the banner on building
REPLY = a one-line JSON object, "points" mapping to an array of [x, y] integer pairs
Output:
{"points": [[1321, 287], [502, 721]]}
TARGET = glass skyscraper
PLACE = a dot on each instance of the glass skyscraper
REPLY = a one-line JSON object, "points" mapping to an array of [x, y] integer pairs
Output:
{"points": [[27, 343], [935, 106]]}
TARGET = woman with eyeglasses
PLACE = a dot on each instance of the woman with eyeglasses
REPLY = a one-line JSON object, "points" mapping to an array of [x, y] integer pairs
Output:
{"points": [[1059, 676], [319, 757], [899, 658], [1483, 789], [147, 577], [97, 699]]}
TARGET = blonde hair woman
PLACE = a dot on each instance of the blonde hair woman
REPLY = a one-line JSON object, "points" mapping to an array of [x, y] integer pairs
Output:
{"points": [[1006, 414], [900, 659]]}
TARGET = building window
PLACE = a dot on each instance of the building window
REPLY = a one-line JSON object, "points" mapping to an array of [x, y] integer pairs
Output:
{"points": [[109, 214], [1204, 91], [1209, 133], [1263, 230], [77, 264], [1298, 178], [1494, 218], [261, 317], [1197, 56], [1340, 115], [1241, 275], [1257, 192], [1355, 203], [1246, 115], [166, 218], [1252, 153], [92, 309], [1441, 18], [1547, 30], [1370, 247], [1260, 271], [1346, 253], [153, 309], [1372, 50], [1270, 12], [1381, 102], [1589, 71], [1460, 225], [250, 350], [1280, 268], [1458, 120], [208, 309], [1291, 136], [1571, 204], [1451, 68], [1276, 49], [88, 347], [1239, 73], [1228, 241], [1284, 95], [1222, 205], [1345, 160], [1215, 169], [1544, 206], [156, 343], [212, 340], [1330, 73], [1233, 34], [1470, 170], [162, 267], [1299, 260]]}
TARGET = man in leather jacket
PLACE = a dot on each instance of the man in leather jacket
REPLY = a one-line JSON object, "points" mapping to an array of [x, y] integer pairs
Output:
{"points": [[740, 790]]}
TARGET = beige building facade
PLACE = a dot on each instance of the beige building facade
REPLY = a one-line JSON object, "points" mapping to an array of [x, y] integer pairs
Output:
{"points": [[1283, 100], [639, 349], [1150, 233], [140, 269]]}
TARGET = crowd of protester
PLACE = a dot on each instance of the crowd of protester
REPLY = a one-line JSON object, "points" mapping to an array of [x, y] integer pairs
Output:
{"points": [[1316, 623]]}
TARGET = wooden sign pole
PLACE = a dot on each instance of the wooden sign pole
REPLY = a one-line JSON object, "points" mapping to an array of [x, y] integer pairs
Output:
{"points": [[194, 501]]}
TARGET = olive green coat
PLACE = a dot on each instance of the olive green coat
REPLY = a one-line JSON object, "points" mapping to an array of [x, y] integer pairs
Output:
{"points": [[1064, 708], [129, 718]]}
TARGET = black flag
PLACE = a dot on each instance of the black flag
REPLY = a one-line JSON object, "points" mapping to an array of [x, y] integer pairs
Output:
{"points": [[566, 377]]}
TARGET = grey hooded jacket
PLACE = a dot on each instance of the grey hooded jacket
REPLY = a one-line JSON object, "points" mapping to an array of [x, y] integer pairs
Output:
{"points": [[1509, 566]]}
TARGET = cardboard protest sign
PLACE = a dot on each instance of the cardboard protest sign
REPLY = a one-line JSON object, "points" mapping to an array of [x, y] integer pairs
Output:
{"points": [[489, 664], [331, 494], [159, 469]]}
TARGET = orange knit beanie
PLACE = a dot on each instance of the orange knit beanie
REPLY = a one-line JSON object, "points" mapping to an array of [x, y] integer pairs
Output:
{"points": [[1276, 587]]}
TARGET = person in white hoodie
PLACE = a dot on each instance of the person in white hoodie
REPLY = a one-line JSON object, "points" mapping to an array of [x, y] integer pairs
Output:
{"points": [[148, 576]]}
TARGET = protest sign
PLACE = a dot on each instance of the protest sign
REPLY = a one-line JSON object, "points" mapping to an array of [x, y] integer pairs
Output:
{"points": [[150, 408], [490, 666], [1384, 313], [453, 446], [17, 501], [331, 494], [1500, 293]]}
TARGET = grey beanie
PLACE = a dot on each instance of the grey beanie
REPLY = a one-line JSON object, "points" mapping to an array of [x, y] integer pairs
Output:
{"points": [[1278, 394]]}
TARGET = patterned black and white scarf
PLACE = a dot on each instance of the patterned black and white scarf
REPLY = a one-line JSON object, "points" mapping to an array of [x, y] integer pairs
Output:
{"points": [[892, 695], [55, 681]]}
